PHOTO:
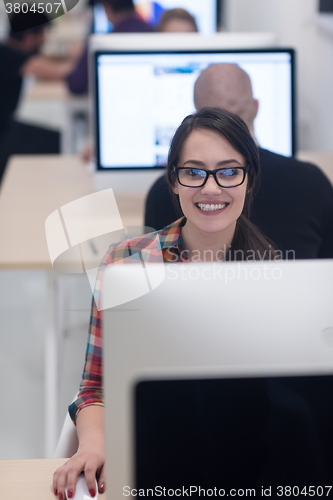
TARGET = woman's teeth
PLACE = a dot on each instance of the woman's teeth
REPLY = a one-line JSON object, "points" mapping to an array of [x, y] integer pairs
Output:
{"points": [[210, 208]]}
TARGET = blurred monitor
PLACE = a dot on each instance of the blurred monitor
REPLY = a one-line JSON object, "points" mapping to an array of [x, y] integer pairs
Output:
{"points": [[205, 12], [142, 96], [219, 375]]}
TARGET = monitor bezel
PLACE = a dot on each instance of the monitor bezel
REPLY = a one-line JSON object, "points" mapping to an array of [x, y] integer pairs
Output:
{"points": [[99, 53]]}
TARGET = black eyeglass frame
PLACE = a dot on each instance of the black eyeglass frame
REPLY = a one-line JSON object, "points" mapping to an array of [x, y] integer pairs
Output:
{"points": [[213, 173]]}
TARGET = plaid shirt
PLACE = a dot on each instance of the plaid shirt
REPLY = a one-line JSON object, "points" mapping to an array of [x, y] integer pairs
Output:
{"points": [[169, 242]]}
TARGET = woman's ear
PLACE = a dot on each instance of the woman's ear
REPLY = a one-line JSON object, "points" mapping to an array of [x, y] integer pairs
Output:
{"points": [[249, 186], [175, 188]]}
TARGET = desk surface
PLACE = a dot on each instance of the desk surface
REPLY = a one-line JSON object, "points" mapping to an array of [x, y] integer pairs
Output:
{"points": [[34, 187], [29, 479]]}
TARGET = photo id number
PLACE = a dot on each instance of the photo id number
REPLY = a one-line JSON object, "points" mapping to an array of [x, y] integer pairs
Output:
{"points": [[295, 491], [40, 7]]}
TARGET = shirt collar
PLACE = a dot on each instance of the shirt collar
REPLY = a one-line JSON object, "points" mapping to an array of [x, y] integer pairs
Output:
{"points": [[170, 238]]}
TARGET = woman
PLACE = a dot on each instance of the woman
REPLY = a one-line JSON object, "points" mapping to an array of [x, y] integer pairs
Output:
{"points": [[212, 167]]}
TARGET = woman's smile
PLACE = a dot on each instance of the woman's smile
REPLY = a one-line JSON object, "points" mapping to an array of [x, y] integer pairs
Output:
{"points": [[211, 207]]}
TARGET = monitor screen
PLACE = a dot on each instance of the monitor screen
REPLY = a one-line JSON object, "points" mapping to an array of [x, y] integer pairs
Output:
{"points": [[263, 433], [205, 13], [142, 97]]}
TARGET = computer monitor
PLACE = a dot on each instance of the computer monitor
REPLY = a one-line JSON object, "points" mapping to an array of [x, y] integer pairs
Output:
{"points": [[141, 97], [206, 13], [198, 355]]}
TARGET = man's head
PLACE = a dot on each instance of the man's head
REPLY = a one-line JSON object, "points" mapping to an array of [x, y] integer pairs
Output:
{"points": [[226, 86], [177, 21], [114, 8], [28, 40]]}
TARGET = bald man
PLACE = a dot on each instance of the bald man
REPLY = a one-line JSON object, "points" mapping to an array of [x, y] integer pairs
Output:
{"points": [[293, 206], [230, 87]]}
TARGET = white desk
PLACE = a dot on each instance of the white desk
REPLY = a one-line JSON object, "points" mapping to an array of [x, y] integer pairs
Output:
{"points": [[29, 479], [34, 187], [50, 104]]}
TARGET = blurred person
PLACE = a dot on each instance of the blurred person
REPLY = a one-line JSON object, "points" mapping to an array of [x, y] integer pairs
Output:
{"points": [[172, 21], [121, 13], [29, 42], [293, 205], [177, 21], [18, 53], [19, 56]]}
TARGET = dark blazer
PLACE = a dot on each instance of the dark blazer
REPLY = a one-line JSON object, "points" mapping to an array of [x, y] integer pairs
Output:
{"points": [[292, 206], [11, 62]]}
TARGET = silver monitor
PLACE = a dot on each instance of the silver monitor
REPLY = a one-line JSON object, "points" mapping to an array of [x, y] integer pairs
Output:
{"points": [[134, 149], [143, 96], [247, 323]]}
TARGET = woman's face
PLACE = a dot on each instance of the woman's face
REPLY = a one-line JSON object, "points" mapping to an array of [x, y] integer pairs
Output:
{"points": [[207, 149]]}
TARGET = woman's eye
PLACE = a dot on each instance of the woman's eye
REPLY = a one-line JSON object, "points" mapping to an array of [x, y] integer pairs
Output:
{"points": [[194, 172], [229, 172]]}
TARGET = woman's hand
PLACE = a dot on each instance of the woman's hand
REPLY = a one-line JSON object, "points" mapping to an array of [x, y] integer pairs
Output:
{"points": [[86, 460], [89, 458]]}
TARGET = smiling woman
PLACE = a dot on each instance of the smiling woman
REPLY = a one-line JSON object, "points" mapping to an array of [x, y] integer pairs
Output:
{"points": [[213, 167]]}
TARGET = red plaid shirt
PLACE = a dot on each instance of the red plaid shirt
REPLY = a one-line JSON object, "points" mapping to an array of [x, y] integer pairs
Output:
{"points": [[171, 245]]}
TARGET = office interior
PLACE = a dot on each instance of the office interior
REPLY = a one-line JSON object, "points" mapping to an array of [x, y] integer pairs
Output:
{"points": [[24, 304]]}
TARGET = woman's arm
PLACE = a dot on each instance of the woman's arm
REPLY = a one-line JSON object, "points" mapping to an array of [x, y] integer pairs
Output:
{"points": [[89, 458], [88, 413]]}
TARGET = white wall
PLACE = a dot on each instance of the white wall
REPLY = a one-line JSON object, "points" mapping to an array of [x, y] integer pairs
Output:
{"points": [[296, 24]]}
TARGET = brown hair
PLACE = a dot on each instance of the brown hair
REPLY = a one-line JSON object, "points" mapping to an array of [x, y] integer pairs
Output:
{"points": [[247, 237], [171, 14]]}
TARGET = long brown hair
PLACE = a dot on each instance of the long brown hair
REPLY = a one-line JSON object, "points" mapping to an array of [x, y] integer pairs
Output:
{"points": [[247, 240]]}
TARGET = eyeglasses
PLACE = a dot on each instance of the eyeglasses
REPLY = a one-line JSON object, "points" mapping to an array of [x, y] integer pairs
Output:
{"points": [[225, 177]]}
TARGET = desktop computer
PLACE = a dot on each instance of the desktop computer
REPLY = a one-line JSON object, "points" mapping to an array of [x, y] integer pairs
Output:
{"points": [[219, 376], [142, 93]]}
